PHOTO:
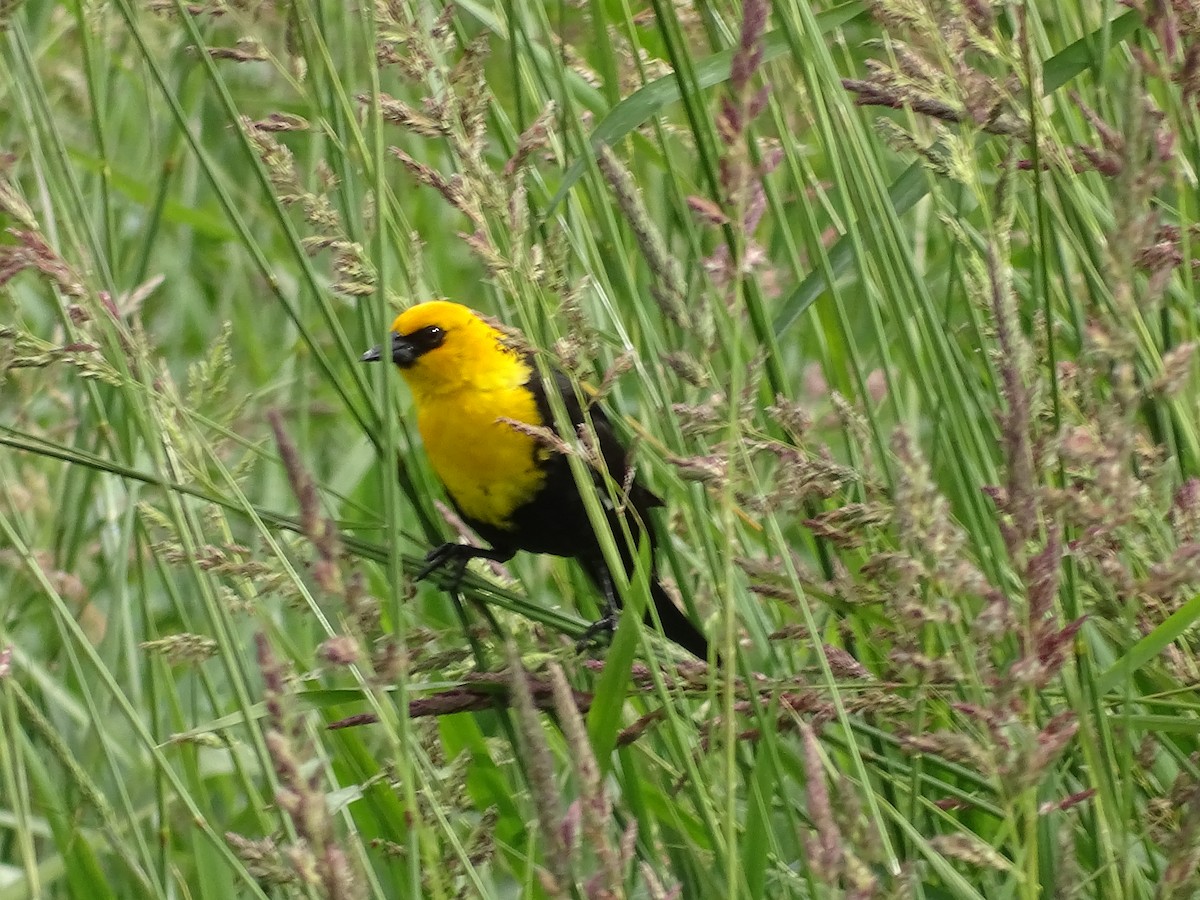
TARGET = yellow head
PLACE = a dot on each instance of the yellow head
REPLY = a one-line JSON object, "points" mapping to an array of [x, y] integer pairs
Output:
{"points": [[441, 347]]}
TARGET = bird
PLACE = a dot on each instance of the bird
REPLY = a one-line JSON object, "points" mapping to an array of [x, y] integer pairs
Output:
{"points": [[484, 417]]}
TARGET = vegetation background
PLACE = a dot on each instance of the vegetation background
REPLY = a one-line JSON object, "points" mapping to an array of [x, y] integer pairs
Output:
{"points": [[897, 301]]}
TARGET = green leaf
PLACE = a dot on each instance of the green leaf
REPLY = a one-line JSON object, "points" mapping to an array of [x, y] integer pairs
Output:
{"points": [[907, 190], [647, 102], [1150, 646]]}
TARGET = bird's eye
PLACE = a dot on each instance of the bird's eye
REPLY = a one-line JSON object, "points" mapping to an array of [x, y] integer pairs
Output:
{"points": [[424, 339]]}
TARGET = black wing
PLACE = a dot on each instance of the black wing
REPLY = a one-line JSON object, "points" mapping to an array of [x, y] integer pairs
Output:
{"points": [[555, 519], [612, 451]]}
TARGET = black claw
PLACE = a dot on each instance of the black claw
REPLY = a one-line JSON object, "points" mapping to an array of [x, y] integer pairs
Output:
{"points": [[604, 626], [452, 558], [611, 608]]}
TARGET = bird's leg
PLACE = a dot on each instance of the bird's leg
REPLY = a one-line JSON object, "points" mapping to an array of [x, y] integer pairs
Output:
{"points": [[453, 558], [607, 622]]}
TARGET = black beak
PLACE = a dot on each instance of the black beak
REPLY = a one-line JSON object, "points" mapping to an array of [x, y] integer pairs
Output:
{"points": [[404, 354]]}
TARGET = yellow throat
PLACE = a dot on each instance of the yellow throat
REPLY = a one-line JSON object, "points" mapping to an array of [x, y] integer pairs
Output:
{"points": [[463, 388]]}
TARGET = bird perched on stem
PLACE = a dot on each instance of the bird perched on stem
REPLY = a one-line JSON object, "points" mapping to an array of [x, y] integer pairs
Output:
{"points": [[487, 426]]}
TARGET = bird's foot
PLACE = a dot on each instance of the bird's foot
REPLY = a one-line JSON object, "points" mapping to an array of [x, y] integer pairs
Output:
{"points": [[598, 632], [450, 560]]}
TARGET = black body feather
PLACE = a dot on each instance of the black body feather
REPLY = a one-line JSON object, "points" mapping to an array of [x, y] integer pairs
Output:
{"points": [[555, 519]]}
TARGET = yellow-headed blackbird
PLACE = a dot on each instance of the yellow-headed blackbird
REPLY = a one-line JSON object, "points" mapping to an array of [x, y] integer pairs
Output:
{"points": [[467, 377]]}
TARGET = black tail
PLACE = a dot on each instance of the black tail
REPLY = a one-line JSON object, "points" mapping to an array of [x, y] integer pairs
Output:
{"points": [[675, 624]]}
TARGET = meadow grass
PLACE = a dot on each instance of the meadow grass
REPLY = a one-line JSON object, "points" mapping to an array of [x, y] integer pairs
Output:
{"points": [[894, 302]]}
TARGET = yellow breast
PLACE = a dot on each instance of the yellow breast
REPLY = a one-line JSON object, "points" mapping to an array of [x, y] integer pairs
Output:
{"points": [[489, 468]]}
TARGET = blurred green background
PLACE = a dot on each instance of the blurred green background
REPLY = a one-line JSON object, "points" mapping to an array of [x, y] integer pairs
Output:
{"points": [[894, 302]]}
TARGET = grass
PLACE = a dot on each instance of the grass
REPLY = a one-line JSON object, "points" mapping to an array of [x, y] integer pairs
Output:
{"points": [[895, 302]]}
